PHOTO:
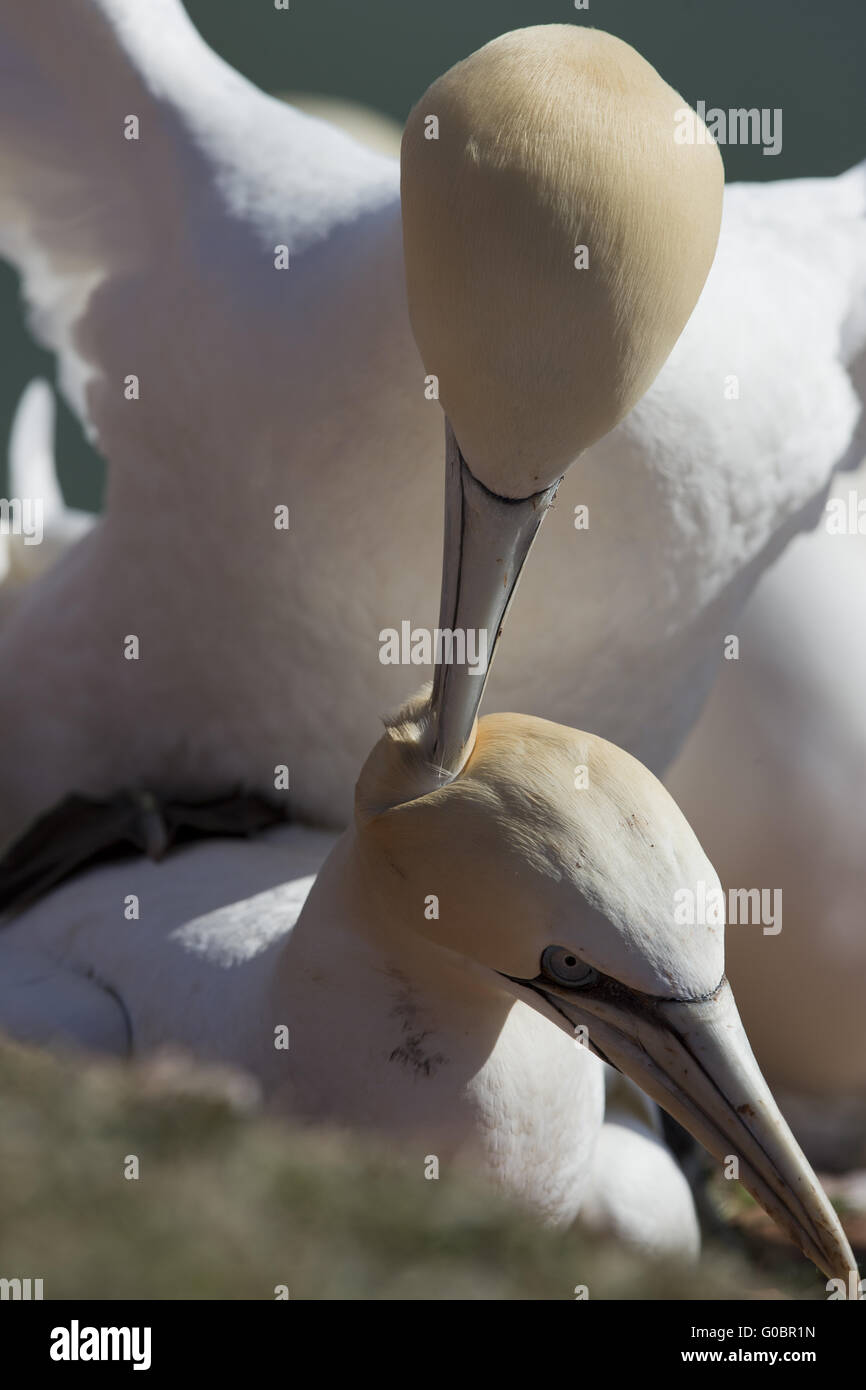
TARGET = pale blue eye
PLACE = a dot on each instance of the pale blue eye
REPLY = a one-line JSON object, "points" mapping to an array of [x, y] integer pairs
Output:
{"points": [[565, 967]]}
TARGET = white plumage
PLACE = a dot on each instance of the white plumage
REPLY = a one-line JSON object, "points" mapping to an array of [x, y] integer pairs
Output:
{"points": [[151, 261], [305, 388], [782, 743]]}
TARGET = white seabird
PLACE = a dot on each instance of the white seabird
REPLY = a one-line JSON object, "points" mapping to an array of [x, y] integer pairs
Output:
{"points": [[259, 388]]}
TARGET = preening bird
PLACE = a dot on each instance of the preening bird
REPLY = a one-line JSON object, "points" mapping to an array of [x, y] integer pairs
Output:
{"points": [[506, 881], [303, 387]]}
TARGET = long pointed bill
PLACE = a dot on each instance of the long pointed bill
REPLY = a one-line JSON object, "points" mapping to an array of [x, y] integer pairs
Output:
{"points": [[694, 1059], [487, 540]]}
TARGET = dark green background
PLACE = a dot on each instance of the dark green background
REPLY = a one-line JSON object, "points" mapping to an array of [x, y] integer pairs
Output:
{"points": [[806, 56]]}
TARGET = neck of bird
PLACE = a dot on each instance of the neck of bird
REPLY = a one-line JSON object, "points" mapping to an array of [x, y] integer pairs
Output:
{"points": [[363, 915]]}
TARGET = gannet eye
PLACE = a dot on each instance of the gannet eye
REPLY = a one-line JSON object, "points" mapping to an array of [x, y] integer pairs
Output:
{"points": [[565, 967]]}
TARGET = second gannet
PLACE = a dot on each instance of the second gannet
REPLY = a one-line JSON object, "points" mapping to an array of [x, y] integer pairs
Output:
{"points": [[457, 961]]}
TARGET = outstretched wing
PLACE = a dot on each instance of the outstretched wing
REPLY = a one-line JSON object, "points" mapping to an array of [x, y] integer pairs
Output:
{"points": [[139, 176]]}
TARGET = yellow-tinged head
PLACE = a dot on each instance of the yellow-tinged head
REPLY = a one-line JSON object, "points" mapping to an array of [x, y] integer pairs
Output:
{"points": [[550, 139], [549, 837], [556, 860]]}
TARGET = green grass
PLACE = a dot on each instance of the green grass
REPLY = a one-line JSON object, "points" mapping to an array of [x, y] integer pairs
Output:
{"points": [[229, 1205]]}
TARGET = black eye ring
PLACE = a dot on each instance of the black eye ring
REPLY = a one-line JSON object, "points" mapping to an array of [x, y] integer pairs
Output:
{"points": [[566, 968]]}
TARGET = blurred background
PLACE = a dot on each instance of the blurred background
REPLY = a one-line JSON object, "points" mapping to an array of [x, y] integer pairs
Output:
{"points": [[794, 54]]}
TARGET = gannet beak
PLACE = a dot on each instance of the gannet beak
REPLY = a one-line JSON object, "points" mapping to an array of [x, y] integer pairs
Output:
{"points": [[694, 1059], [487, 540]]}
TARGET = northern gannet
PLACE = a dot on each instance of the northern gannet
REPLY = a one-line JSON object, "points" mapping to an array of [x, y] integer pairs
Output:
{"points": [[304, 387], [503, 901], [454, 962]]}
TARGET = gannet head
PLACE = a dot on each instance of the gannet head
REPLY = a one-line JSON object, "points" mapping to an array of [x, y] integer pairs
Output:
{"points": [[559, 864], [550, 139], [556, 238]]}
